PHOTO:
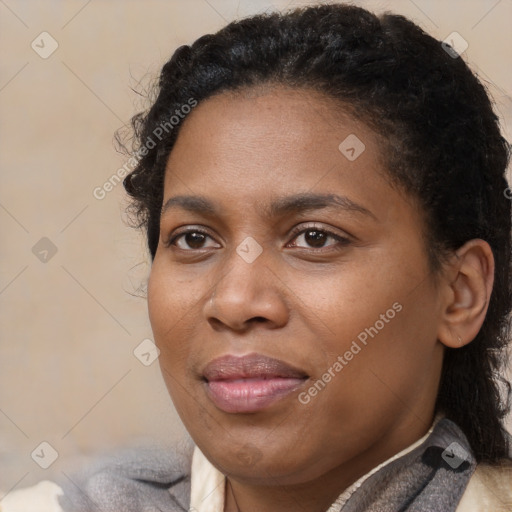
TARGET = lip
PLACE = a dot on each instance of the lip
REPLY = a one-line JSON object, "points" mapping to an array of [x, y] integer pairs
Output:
{"points": [[250, 383]]}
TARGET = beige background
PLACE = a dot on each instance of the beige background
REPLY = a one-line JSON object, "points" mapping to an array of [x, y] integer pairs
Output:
{"points": [[69, 326]]}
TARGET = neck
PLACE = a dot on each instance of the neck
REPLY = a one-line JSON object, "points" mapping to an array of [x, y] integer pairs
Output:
{"points": [[241, 498], [319, 494]]}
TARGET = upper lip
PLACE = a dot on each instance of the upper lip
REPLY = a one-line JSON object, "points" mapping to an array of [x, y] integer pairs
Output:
{"points": [[231, 367]]}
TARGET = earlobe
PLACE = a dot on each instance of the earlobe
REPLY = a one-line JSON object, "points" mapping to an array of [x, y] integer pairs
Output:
{"points": [[468, 290]]}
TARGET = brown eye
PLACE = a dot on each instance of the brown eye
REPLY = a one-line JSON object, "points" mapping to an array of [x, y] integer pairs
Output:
{"points": [[194, 239], [317, 238], [191, 239]]}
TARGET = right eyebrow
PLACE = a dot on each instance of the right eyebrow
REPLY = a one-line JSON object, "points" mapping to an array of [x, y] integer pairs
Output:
{"points": [[193, 204]]}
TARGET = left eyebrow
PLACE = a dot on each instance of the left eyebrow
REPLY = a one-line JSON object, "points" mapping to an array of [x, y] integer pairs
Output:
{"points": [[308, 201], [291, 204]]}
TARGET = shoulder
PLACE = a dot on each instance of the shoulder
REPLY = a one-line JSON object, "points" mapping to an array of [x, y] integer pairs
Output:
{"points": [[490, 488], [43, 497], [126, 481]]}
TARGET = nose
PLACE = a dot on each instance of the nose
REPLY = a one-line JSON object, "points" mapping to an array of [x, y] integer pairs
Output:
{"points": [[247, 293]]}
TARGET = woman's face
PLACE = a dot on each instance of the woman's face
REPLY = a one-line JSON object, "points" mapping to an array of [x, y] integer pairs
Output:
{"points": [[297, 321]]}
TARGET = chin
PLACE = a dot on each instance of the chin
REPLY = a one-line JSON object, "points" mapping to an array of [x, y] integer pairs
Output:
{"points": [[261, 463]]}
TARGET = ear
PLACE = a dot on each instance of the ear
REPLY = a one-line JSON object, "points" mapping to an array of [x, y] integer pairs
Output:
{"points": [[467, 290]]}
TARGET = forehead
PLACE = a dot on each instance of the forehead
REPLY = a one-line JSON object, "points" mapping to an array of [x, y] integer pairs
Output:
{"points": [[263, 111], [240, 140]]}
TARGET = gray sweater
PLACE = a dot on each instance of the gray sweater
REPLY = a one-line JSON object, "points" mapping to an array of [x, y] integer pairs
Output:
{"points": [[431, 477]]}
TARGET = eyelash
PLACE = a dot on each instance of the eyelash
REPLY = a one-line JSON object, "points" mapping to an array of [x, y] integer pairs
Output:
{"points": [[342, 241]]}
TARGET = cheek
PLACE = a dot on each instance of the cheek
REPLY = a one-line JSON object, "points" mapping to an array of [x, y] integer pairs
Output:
{"points": [[345, 301], [382, 357], [172, 297], [171, 302], [380, 318]]}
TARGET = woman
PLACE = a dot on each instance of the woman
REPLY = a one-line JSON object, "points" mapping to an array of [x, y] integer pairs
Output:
{"points": [[323, 194]]}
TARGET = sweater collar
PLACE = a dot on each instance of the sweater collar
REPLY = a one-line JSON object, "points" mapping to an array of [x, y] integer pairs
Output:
{"points": [[443, 449]]}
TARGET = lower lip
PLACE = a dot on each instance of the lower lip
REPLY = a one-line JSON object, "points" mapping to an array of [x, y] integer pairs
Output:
{"points": [[250, 395]]}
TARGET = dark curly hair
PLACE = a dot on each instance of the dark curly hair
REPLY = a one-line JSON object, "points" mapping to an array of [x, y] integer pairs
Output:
{"points": [[440, 137]]}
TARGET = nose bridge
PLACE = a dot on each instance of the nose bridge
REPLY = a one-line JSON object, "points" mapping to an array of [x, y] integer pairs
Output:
{"points": [[247, 289], [246, 265]]}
